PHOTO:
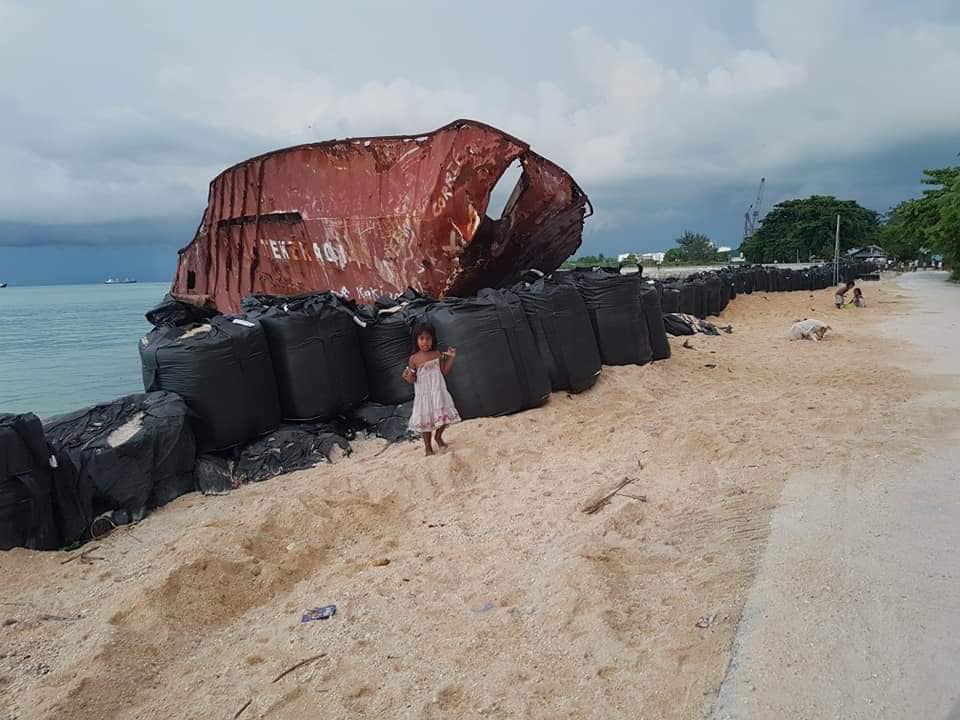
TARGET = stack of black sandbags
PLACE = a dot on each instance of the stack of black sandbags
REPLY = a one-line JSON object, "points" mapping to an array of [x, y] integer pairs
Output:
{"points": [[653, 316], [670, 298], [563, 333], [386, 341], [132, 454], [498, 370], [613, 304], [315, 353], [26, 485], [222, 370], [286, 449]]}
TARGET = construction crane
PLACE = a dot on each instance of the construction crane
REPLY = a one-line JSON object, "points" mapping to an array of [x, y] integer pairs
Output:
{"points": [[751, 218]]}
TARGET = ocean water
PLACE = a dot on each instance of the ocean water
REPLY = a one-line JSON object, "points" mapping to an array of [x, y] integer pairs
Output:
{"points": [[64, 347]]}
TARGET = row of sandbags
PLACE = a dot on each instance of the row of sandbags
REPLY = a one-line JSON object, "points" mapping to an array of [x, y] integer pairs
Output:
{"points": [[78, 475], [317, 356]]}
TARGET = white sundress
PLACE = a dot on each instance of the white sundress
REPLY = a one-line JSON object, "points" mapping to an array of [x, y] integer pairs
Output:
{"points": [[432, 405]]}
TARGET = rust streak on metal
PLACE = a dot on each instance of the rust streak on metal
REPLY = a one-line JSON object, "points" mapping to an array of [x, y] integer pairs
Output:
{"points": [[369, 216]]}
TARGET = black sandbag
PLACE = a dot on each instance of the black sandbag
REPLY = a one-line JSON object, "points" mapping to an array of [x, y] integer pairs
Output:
{"points": [[315, 350], [222, 369], [688, 298], [498, 369], [653, 314], [676, 324], [289, 448], [136, 453], [389, 422], [171, 311], [563, 333], [613, 303], [702, 301], [26, 485], [724, 293], [386, 342], [714, 302], [670, 299]]}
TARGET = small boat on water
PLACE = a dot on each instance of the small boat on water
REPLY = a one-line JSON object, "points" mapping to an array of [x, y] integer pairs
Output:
{"points": [[118, 281], [3, 284]]}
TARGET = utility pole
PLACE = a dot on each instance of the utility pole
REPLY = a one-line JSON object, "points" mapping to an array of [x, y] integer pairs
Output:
{"points": [[836, 255]]}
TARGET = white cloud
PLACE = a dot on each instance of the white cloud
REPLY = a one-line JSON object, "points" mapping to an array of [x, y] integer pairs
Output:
{"points": [[121, 117]]}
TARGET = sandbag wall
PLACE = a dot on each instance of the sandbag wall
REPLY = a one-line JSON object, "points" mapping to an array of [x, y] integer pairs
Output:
{"points": [[616, 315], [563, 333], [27, 485], [498, 369], [223, 385], [315, 353], [223, 371], [133, 454]]}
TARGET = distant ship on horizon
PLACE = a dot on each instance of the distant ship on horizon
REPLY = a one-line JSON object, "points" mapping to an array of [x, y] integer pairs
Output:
{"points": [[118, 281], [3, 284]]}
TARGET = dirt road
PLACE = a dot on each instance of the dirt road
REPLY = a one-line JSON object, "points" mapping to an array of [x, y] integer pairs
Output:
{"points": [[854, 611]]}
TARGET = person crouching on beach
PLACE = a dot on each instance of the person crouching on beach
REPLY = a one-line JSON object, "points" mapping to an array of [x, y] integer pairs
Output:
{"points": [[858, 300], [840, 294], [433, 408]]}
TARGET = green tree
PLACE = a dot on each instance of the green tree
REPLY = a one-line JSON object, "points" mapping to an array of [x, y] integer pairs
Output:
{"points": [[673, 255], [696, 247], [944, 234], [931, 220], [806, 227]]}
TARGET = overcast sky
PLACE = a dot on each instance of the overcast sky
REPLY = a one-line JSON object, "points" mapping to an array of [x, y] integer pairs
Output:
{"points": [[114, 116]]}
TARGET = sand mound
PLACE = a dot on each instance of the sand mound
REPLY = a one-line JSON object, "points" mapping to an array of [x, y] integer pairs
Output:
{"points": [[502, 598]]}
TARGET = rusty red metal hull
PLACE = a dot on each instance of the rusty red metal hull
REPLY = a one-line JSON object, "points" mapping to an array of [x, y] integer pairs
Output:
{"points": [[371, 216]]}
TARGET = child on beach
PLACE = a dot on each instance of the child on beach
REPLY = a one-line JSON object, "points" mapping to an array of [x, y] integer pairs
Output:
{"points": [[433, 408], [858, 300], [840, 294]]}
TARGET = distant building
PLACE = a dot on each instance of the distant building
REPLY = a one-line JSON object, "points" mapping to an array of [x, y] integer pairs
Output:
{"points": [[871, 253], [654, 257]]}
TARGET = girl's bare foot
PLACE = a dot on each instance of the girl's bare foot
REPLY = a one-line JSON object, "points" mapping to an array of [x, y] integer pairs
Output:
{"points": [[428, 452]]}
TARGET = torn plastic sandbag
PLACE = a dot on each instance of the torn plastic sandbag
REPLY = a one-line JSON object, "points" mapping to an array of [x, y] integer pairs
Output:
{"points": [[315, 350], [389, 422], [171, 311], [222, 369], [214, 475], [564, 336], [498, 370], [26, 485], [676, 324], [386, 341], [137, 452], [289, 448], [681, 324], [613, 303], [650, 302]]}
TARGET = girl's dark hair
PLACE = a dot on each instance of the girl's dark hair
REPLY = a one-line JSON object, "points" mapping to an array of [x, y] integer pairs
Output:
{"points": [[424, 328]]}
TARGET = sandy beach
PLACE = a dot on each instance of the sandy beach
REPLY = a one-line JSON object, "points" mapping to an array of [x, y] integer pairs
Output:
{"points": [[473, 584]]}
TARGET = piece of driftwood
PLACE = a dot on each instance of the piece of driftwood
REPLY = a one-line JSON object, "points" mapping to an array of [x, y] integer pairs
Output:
{"points": [[240, 711], [298, 665], [83, 555], [596, 506]]}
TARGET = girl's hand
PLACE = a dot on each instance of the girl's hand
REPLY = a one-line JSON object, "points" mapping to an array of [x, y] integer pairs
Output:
{"points": [[409, 374], [452, 352]]}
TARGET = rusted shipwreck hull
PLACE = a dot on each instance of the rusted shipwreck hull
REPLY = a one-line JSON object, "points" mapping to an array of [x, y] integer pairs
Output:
{"points": [[372, 216]]}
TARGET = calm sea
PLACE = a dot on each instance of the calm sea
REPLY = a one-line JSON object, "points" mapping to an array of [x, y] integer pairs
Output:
{"points": [[64, 347]]}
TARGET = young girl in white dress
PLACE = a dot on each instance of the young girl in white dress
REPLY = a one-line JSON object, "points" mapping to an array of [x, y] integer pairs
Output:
{"points": [[433, 408]]}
